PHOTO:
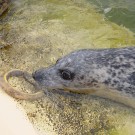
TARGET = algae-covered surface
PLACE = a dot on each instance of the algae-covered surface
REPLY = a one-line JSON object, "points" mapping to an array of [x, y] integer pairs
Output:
{"points": [[43, 31]]}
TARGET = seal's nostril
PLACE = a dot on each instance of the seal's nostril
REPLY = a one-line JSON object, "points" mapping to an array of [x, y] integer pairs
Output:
{"points": [[33, 75], [37, 76]]}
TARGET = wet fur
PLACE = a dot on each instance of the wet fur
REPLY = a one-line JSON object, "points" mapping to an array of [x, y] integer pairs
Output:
{"points": [[109, 73]]}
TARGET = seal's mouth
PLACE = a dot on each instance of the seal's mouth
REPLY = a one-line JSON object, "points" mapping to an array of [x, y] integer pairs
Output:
{"points": [[79, 90], [72, 89]]}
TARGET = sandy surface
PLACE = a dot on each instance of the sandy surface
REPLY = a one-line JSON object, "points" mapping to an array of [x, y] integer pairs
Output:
{"points": [[41, 32]]}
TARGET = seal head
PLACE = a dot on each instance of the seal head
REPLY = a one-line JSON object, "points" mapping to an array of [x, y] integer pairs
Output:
{"points": [[70, 72], [107, 73], [87, 70]]}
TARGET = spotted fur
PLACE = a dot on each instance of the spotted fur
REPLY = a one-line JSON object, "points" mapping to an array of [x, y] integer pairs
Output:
{"points": [[107, 72]]}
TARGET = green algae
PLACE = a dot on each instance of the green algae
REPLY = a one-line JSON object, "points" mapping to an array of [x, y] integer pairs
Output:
{"points": [[43, 31]]}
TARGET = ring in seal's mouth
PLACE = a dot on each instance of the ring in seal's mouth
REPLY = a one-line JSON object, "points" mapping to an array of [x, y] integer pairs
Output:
{"points": [[15, 93]]}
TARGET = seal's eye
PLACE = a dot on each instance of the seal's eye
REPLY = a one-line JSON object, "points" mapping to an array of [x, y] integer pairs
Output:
{"points": [[66, 74]]}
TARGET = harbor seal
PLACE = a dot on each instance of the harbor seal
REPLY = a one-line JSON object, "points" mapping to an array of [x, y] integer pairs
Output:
{"points": [[108, 73]]}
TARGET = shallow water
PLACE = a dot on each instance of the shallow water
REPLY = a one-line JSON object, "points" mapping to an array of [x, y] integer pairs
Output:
{"points": [[40, 33], [122, 12]]}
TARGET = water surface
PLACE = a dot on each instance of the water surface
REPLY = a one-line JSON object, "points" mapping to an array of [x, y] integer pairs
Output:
{"points": [[122, 12]]}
